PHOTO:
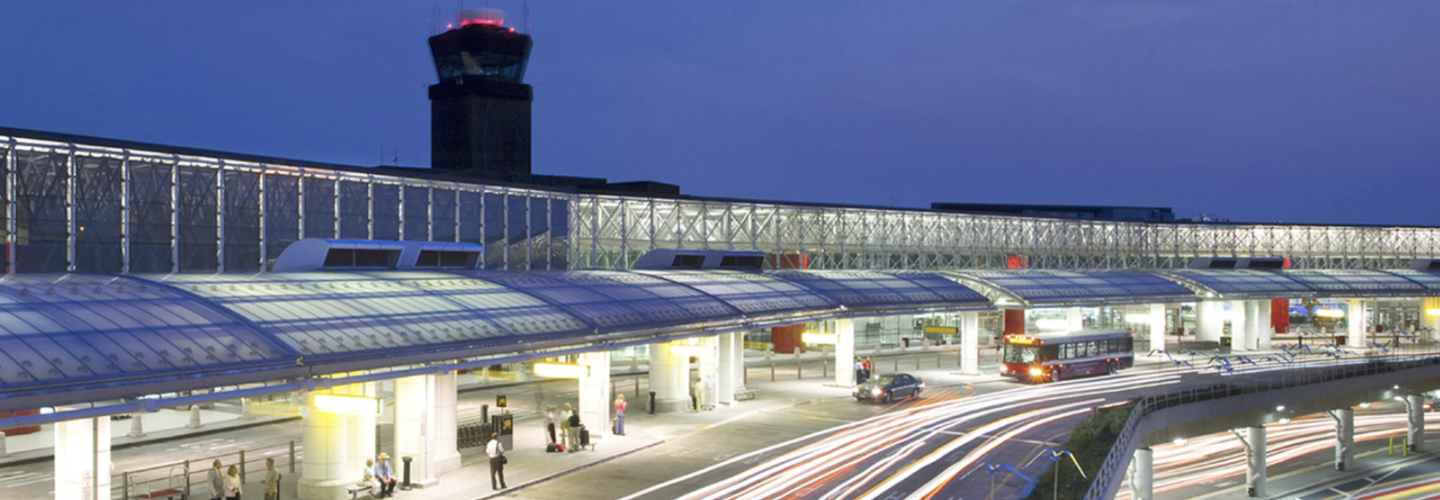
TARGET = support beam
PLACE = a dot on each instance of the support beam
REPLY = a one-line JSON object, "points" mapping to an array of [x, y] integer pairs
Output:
{"points": [[1208, 320], [1239, 326], [82, 459], [414, 427], [1157, 326], [359, 429], [970, 343], [725, 385], [1263, 326], [1415, 431], [595, 399], [709, 361], [1355, 334], [447, 443], [1142, 474], [669, 378], [845, 352], [1344, 437]]}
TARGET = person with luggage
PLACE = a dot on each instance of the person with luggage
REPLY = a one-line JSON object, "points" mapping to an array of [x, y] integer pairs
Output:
{"points": [[572, 437], [550, 425], [496, 452], [620, 415]]}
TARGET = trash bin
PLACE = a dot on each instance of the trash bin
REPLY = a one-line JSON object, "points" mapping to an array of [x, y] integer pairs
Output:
{"points": [[1224, 347], [906, 341]]}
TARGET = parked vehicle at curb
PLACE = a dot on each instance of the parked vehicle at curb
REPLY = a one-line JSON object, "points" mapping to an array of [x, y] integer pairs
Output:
{"points": [[889, 387]]}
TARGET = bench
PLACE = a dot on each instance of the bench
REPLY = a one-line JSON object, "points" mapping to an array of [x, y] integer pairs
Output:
{"points": [[355, 489], [165, 493], [745, 395]]}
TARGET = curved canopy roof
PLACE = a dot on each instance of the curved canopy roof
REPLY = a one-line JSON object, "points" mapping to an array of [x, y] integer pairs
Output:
{"points": [[1046, 287], [1356, 282], [1235, 283]]}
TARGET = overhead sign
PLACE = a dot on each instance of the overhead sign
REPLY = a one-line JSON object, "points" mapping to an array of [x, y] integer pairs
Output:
{"points": [[944, 330], [820, 338], [562, 370], [345, 404]]}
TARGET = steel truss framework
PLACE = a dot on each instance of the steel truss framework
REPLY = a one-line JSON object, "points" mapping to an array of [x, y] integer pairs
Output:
{"points": [[614, 231], [79, 207], [83, 207]]}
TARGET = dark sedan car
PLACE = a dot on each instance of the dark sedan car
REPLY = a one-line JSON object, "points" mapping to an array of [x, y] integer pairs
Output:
{"points": [[889, 387]]}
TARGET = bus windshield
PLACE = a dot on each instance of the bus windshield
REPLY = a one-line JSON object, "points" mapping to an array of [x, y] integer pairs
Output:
{"points": [[1020, 354]]}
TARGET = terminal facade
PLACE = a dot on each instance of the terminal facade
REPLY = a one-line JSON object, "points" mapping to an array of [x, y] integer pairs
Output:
{"points": [[137, 269]]}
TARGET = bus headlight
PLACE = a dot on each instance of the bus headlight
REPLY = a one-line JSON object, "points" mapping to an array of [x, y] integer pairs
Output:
{"points": [[1035, 372], [1003, 369]]}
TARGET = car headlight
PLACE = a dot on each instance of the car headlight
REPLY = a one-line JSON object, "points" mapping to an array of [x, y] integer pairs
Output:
{"points": [[1035, 372], [877, 391], [1004, 370]]}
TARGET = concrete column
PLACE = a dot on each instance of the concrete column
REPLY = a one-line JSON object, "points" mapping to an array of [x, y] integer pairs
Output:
{"points": [[1415, 431], [669, 378], [845, 352], [970, 343], [1208, 320], [82, 459], [1239, 327], [1157, 326], [595, 402], [327, 449], [1255, 461], [1142, 474], [447, 443], [137, 427], [2, 445], [1262, 327], [1074, 319], [359, 429], [1344, 438], [414, 428], [725, 386], [1355, 334]]}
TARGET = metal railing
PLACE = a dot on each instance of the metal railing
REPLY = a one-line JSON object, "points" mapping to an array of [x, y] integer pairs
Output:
{"points": [[1103, 485], [178, 477]]}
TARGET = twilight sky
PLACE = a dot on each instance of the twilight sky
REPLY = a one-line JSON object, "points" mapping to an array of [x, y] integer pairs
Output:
{"points": [[1266, 110]]}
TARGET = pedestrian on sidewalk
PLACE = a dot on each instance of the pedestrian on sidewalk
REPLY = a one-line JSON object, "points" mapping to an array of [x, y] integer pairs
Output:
{"points": [[272, 480], [497, 461], [232, 483], [620, 414], [386, 475], [860, 371], [216, 479], [565, 430], [550, 424]]}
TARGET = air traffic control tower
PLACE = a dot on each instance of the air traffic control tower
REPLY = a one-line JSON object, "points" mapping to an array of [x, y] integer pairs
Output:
{"points": [[480, 110]]}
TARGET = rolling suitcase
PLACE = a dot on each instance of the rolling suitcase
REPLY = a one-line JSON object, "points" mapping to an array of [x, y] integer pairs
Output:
{"points": [[552, 448], [584, 437]]}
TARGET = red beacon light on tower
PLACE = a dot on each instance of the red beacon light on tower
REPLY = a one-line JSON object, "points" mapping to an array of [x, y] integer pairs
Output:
{"points": [[483, 17]]}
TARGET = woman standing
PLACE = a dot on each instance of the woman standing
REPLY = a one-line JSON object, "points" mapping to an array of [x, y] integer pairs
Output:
{"points": [[620, 414], [232, 483]]}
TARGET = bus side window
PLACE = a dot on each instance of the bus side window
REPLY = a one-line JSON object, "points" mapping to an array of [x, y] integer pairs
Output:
{"points": [[1104, 347]]}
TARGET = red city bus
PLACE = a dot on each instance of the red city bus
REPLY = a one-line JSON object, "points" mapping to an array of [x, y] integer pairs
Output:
{"points": [[1062, 355]]}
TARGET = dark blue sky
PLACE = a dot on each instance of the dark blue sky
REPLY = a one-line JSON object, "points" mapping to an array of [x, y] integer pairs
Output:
{"points": [[1270, 110]]}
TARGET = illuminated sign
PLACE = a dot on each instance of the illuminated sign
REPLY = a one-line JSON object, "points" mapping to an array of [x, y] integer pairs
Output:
{"points": [[1330, 313], [1433, 312], [1021, 340], [819, 338], [950, 330], [345, 404], [561, 370]]}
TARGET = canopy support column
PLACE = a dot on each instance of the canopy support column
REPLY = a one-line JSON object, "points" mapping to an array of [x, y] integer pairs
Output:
{"points": [[82, 459], [845, 352], [595, 392], [669, 375], [970, 343], [1142, 474], [1344, 437], [327, 449], [415, 409], [1355, 334]]}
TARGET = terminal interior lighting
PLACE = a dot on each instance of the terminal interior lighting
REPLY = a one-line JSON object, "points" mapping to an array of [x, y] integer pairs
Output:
{"points": [[1432, 312], [1330, 313], [1052, 324], [345, 404], [819, 338], [690, 350], [562, 370]]}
